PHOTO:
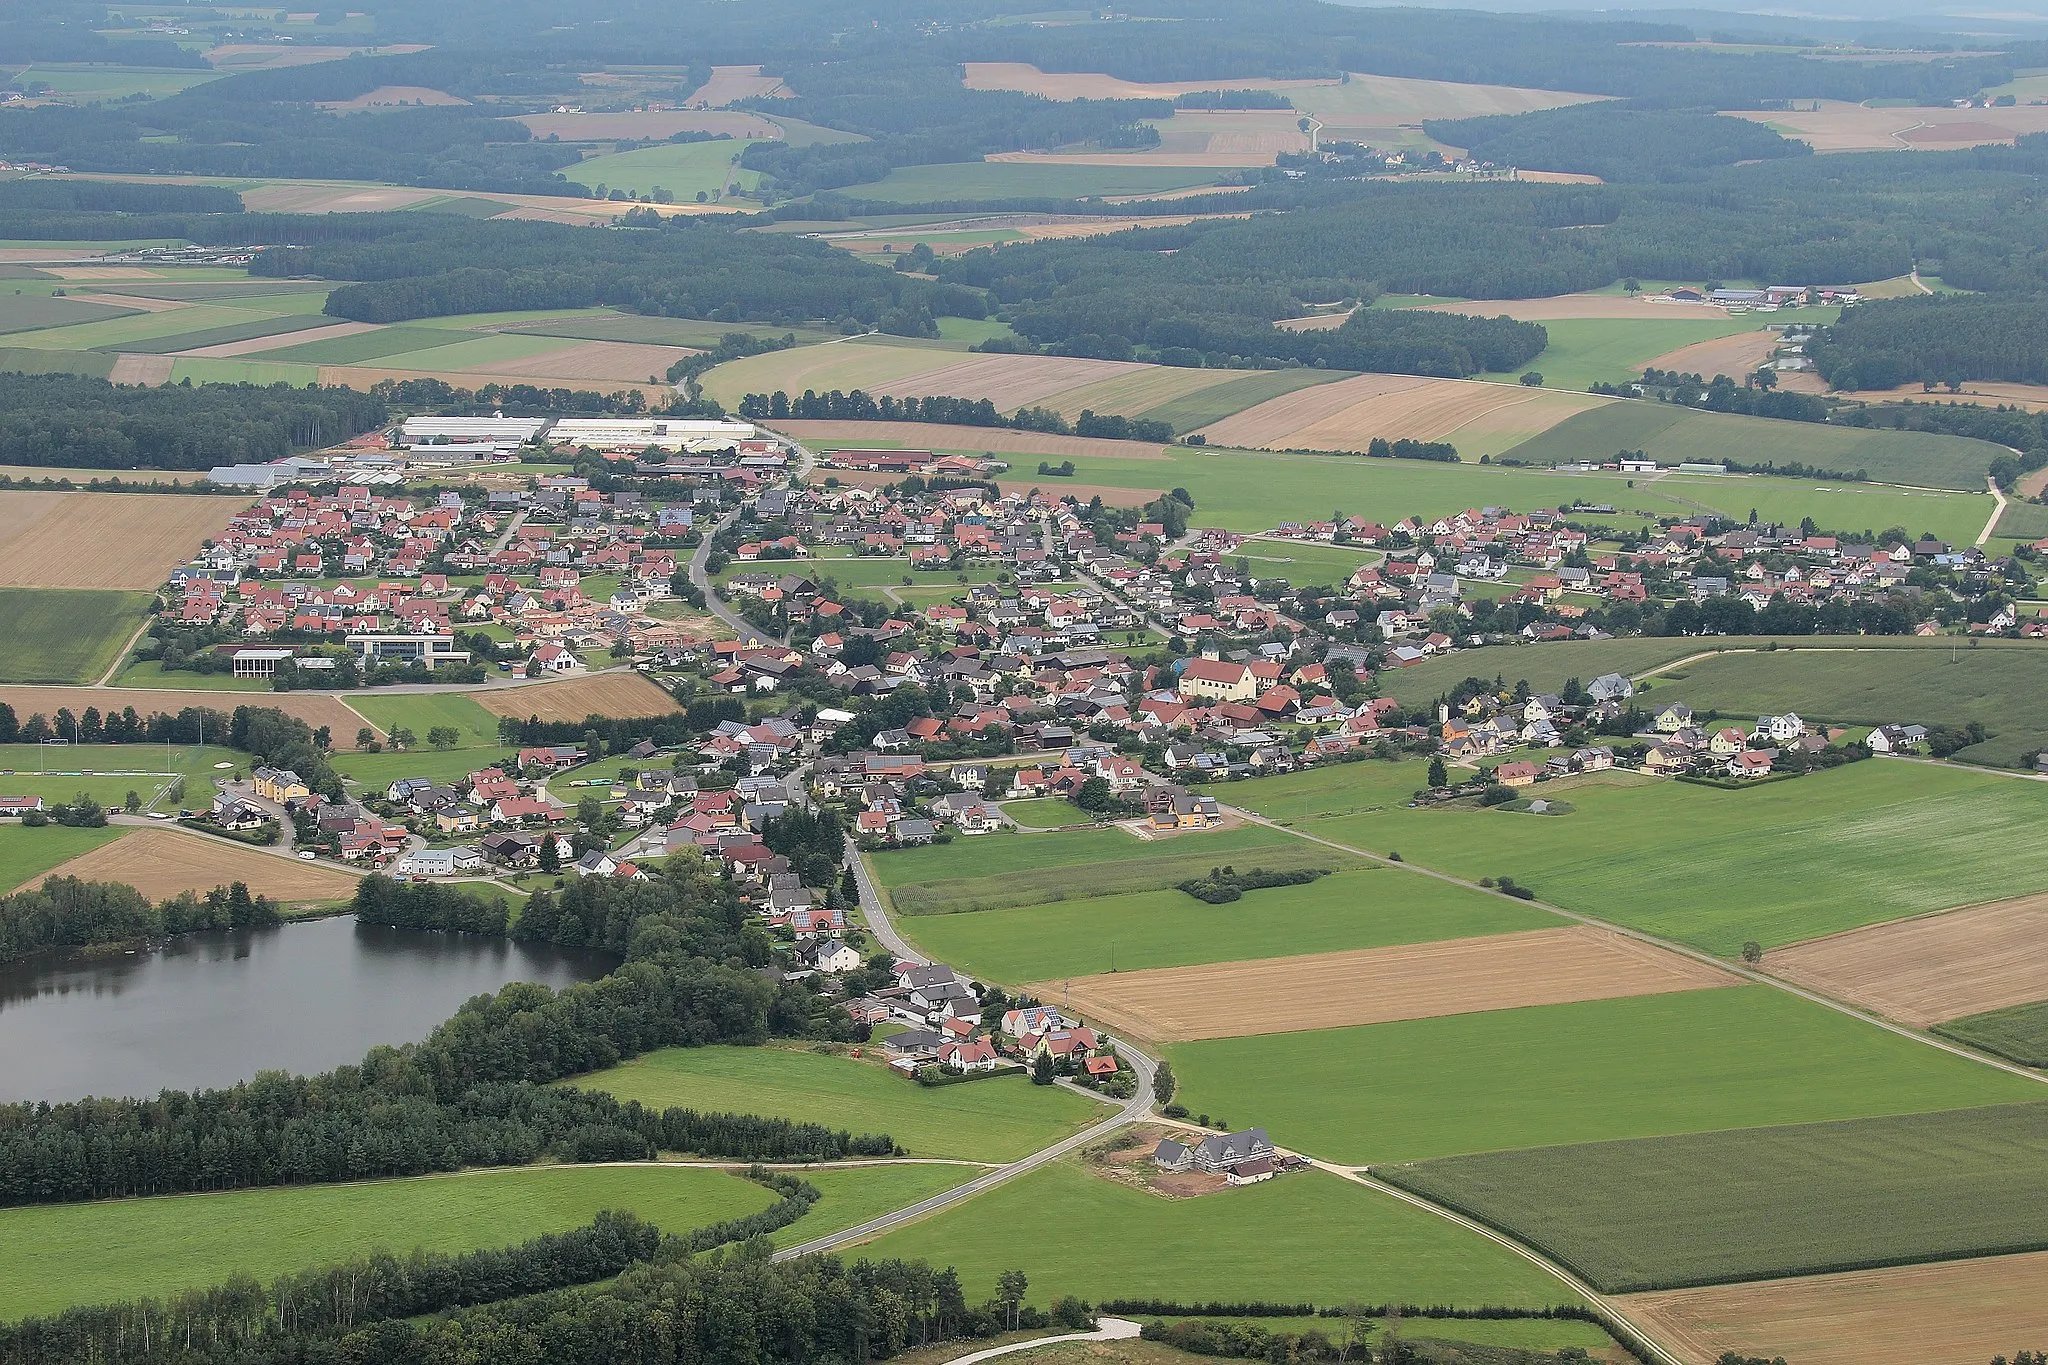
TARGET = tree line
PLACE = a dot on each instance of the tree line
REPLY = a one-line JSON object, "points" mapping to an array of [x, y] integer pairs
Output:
{"points": [[1946, 338], [72, 421], [265, 732], [65, 912]]}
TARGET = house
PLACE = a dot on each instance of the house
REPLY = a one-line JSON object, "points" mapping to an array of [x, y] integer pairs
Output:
{"points": [[19, 805], [831, 955], [1750, 763], [914, 1043], [1219, 1152], [1783, 729], [1218, 680], [1250, 1172], [1674, 718], [1610, 687], [973, 1054], [1727, 742], [1897, 739], [280, 785], [1515, 774], [596, 863]]}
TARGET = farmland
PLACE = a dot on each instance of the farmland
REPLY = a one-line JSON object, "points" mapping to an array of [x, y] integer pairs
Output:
{"points": [[2018, 1033], [1584, 350], [103, 540], [1762, 1203], [1366, 907], [421, 712], [1841, 126], [316, 709], [854, 1194], [26, 854], [1030, 180], [1480, 419], [54, 1257], [685, 169], [617, 693], [1645, 1066], [1931, 969], [992, 1120], [1319, 1237], [161, 863], [57, 635]]}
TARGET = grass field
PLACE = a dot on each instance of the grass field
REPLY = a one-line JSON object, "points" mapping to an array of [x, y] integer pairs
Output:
{"points": [[209, 370], [853, 1195], [32, 312], [96, 82], [60, 635], [1302, 562], [1765, 1203], [26, 854], [353, 350], [1025, 180], [1582, 350], [997, 871], [686, 169], [1644, 1066], [1217, 402], [992, 1120], [247, 329], [424, 711], [1310, 1236], [116, 769], [381, 770], [27, 360], [442, 349], [55, 1256], [2018, 1033], [1366, 908], [634, 327]]}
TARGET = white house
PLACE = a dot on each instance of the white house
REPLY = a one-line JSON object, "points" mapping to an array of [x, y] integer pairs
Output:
{"points": [[1783, 728]]}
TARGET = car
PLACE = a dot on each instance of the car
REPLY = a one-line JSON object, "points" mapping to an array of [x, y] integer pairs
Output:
{"points": [[159, 815], [307, 855]]}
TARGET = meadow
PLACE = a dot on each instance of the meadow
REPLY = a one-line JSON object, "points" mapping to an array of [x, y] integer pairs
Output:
{"points": [[26, 312], [999, 1119], [26, 854], [1309, 1236], [60, 635], [685, 169], [1763, 1203], [54, 1256], [375, 344], [1640, 1066], [1369, 907], [241, 329], [424, 711], [854, 1194], [1614, 350], [1303, 562], [2018, 1033], [382, 769]]}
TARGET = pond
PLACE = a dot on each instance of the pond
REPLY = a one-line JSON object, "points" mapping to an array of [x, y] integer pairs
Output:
{"points": [[213, 1008]]}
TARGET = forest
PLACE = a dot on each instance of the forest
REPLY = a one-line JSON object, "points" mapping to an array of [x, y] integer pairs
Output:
{"points": [[1614, 141], [63, 420], [65, 912], [1946, 338]]}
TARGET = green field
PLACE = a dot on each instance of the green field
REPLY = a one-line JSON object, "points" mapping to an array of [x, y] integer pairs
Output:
{"points": [[448, 349], [82, 82], [248, 329], [64, 635], [1860, 844], [1367, 908], [1045, 812], [381, 770], [1213, 404], [54, 1256], [25, 360], [1614, 350], [998, 871], [196, 285], [1671, 434], [1302, 562], [130, 329], [1309, 1236], [1641, 1066], [1765, 1203], [32, 312], [2018, 1033], [1024, 180], [26, 854], [999, 1119], [361, 347], [635, 327], [2023, 521], [686, 169], [206, 370], [854, 1194], [424, 711]]}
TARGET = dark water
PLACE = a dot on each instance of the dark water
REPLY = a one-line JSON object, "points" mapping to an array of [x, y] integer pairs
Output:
{"points": [[214, 1008]]}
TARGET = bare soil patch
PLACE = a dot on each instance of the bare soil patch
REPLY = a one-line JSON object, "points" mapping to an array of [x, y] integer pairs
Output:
{"points": [[161, 863], [1988, 392], [629, 362], [314, 708], [1008, 381], [103, 540], [1126, 1159], [1315, 322], [1733, 356], [1095, 85], [1381, 985], [142, 369], [1954, 1313], [1000, 440], [392, 96], [619, 694], [731, 83], [270, 343], [1559, 177], [646, 123], [1929, 970]]}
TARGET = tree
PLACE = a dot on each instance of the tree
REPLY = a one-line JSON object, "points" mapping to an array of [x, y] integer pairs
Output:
{"points": [[550, 856], [1532, 379], [365, 737], [1752, 952], [1041, 1069], [1010, 1287], [444, 737], [593, 745], [1163, 1083], [1632, 286], [134, 801], [1095, 796], [402, 738], [1438, 776], [590, 812]]}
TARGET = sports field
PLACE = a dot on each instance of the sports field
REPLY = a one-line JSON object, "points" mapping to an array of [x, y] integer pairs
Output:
{"points": [[1929, 970], [617, 693], [161, 863], [54, 1256], [1366, 907], [1309, 1236], [103, 540], [1762, 1203], [58, 635], [1646, 1066], [999, 1119]]}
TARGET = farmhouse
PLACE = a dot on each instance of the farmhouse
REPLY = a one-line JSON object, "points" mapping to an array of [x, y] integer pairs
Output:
{"points": [[1221, 1152]]}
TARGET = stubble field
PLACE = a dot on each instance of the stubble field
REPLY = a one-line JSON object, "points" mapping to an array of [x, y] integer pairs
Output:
{"points": [[1927, 971], [103, 540], [1480, 419], [161, 863], [314, 708], [618, 693]]}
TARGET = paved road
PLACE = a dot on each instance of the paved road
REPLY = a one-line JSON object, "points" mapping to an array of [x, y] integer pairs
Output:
{"points": [[1107, 1329], [746, 630]]}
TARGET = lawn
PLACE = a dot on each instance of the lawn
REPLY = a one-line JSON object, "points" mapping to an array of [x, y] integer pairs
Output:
{"points": [[1198, 409], [65, 635], [1309, 1236], [424, 711], [1766, 1203], [999, 1119], [1045, 812], [54, 1256], [1786, 861], [685, 169], [1025, 180], [26, 854], [1369, 907], [381, 770], [2018, 1033], [1640, 1066]]}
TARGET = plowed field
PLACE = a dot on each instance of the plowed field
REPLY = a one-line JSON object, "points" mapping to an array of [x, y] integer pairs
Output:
{"points": [[160, 863], [621, 694], [103, 540], [1925, 971]]}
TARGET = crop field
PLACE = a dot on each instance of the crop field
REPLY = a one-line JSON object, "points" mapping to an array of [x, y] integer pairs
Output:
{"points": [[31, 312], [314, 708], [161, 863], [26, 360], [1957, 1313], [996, 871], [686, 169], [96, 82], [1929, 970], [452, 351], [1136, 391], [1480, 419], [1031, 180], [1011, 381], [424, 711], [1670, 435], [848, 366], [999, 1119], [1583, 350], [603, 325], [203, 370], [1762, 1203], [2019, 1033], [131, 329], [975, 440], [1836, 850], [56, 635], [260, 328], [55, 1256], [1202, 406], [26, 854], [1549, 966], [649, 124], [1365, 907], [1318, 1237], [1643, 1066], [372, 344], [1840, 126], [103, 540], [730, 83], [617, 694], [1734, 355]]}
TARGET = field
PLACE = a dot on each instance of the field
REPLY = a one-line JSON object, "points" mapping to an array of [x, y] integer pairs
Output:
{"points": [[604, 325], [316, 709], [424, 711], [1030, 180], [1549, 966], [1960, 1313], [1480, 419], [1837, 850], [992, 1120], [1302, 561], [1929, 970], [1766, 1202], [1838, 126], [2018, 1033], [1582, 350], [26, 854], [161, 863], [1734, 355], [1643, 1066], [855, 1194], [618, 694], [686, 169], [30, 312], [103, 540], [209, 339], [1200, 407], [1670, 435], [108, 772], [1008, 381], [1317, 1237], [649, 124], [935, 436], [381, 770], [55, 1256], [1366, 907], [55, 635], [106, 82]]}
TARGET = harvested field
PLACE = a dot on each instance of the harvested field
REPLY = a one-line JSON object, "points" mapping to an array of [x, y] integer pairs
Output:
{"points": [[1111, 495], [2032, 397], [1315, 322], [392, 96], [253, 345], [618, 694], [1479, 418], [1842, 127], [1094, 85], [1097, 227], [1564, 307], [1009, 381], [1381, 985], [647, 123], [271, 56], [731, 83], [932, 436], [142, 369], [103, 540], [1957, 1313], [102, 272], [1733, 356], [333, 198], [1136, 392], [161, 863], [314, 708], [844, 366], [1928, 970], [1192, 160], [613, 360]]}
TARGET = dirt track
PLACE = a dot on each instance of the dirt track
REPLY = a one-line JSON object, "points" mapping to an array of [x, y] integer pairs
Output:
{"points": [[1955, 1313], [103, 540], [160, 863], [1927, 970], [621, 694], [1381, 985]]}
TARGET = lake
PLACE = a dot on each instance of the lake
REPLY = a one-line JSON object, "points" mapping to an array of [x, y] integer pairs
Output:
{"points": [[214, 1008]]}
